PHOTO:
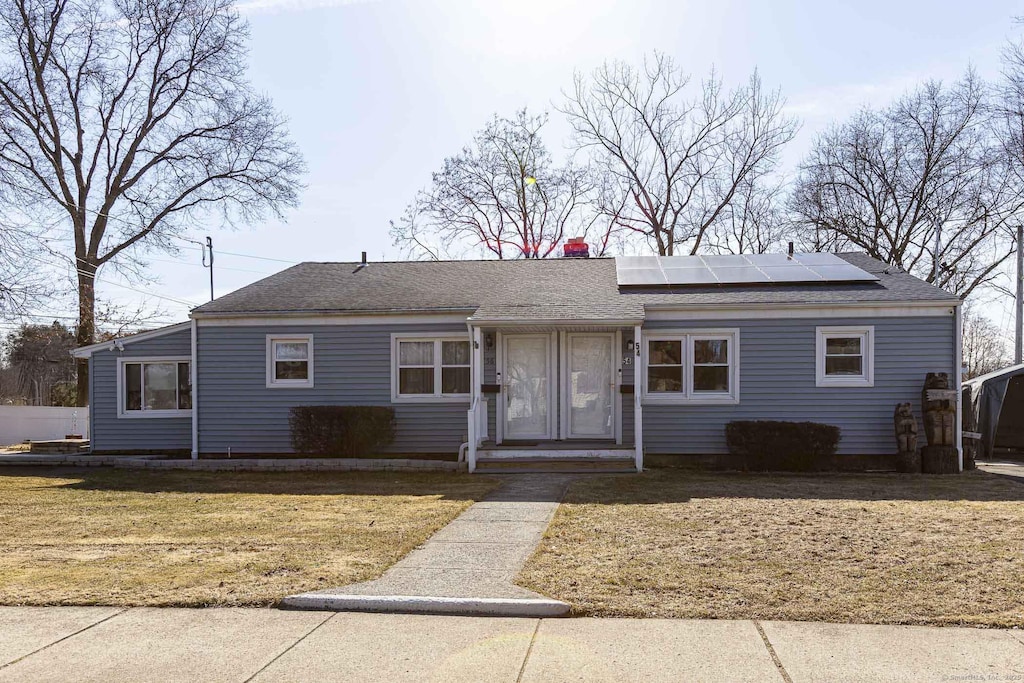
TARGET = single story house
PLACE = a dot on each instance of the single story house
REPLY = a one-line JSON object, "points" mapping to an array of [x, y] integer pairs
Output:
{"points": [[638, 357]]}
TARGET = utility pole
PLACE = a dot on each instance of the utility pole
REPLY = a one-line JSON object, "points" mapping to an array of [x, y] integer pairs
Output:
{"points": [[1019, 337], [209, 248]]}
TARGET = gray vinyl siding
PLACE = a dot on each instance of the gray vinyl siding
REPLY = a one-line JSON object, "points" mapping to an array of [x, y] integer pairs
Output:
{"points": [[351, 366], [111, 433], [777, 382]]}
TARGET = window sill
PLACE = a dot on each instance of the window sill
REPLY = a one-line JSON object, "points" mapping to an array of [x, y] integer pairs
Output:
{"points": [[835, 383], [289, 385], [460, 398], [148, 414], [652, 399]]}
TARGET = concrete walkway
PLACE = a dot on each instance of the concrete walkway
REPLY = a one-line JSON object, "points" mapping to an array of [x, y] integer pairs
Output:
{"points": [[468, 566], [1004, 468], [145, 644]]}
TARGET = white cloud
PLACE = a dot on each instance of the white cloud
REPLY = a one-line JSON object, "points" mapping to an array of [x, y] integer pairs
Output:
{"points": [[839, 101], [273, 6]]}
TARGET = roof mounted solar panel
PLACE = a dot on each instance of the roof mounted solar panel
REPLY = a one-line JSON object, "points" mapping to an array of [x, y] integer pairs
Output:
{"points": [[690, 276], [762, 260], [842, 273], [794, 272], [736, 269], [740, 274], [641, 276]]}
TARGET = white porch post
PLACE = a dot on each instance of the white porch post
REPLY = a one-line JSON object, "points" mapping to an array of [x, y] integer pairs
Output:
{"points": [[959, 383], [194, 372], [476, 377], [638, 415]]}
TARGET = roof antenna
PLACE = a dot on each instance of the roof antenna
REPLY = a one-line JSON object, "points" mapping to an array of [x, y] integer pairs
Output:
{"points": [[790, 250], [361, 265]]}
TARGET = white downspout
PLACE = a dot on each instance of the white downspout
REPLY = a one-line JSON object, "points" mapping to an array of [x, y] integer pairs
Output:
{"points": [[472, 416], [194, 372], [638, 413]]}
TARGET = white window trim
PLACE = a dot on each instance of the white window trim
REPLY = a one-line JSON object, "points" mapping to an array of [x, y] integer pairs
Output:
{"points": [[122, 413], [867, 335], [437, 396], [688, 396], [272, 382]]}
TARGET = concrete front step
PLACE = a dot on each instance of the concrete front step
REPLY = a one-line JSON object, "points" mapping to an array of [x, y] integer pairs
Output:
{"points": [[548, 464], [537, 454]]}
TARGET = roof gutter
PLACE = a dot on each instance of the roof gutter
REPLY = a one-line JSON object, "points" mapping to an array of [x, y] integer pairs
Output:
{"points": [[555, 322], [328, 312], [938, 303]]}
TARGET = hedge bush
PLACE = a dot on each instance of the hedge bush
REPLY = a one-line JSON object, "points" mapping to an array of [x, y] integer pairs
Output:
{"points": [[341, 431], [773, 445]]}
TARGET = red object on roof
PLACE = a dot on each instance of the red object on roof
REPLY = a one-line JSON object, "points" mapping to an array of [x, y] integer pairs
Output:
{"points": [[575, 247]]}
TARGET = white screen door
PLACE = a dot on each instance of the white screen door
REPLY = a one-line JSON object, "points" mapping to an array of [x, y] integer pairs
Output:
{"points": [[527, 386], [590, 384]]}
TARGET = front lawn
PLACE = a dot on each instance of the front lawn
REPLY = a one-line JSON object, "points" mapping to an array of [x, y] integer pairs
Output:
{"points": [[141, 537], [840, 548]]}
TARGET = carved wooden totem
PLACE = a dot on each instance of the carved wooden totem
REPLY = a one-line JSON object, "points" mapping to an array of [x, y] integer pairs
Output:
{"points": [[905, 423], [939, 404]]}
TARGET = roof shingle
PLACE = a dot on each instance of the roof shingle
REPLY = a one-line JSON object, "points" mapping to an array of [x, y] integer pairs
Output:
{"points": [[563, 289]]}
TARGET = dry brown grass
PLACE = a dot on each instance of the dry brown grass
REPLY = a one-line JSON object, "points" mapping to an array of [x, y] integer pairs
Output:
{"points": [[894, 549], [138, 537]]}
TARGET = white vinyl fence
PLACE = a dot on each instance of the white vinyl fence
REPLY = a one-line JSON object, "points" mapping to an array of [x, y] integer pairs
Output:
{"points": [[41, 423]]}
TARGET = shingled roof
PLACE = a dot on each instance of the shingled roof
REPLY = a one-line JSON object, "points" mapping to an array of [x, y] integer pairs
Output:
{"points": [[552, 289]]}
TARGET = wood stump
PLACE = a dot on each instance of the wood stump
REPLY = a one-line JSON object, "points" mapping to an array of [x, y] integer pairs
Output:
{"points": [[939, 460]]}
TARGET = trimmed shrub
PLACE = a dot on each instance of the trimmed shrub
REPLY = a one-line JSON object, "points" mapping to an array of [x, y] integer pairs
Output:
{"points": [[341, 431], [772, 445]]}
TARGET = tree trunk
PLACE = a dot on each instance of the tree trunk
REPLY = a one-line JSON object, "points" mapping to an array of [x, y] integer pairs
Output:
{"points": [[86, 324]]}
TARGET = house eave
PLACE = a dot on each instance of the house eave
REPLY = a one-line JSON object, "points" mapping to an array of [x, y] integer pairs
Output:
{"points": [[86, 351]]}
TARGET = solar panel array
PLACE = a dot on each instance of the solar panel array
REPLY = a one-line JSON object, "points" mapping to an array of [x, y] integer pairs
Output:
{"points": [[740, 269]]}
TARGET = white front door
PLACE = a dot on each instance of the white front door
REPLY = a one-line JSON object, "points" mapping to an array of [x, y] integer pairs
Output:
{"points": [[527, 386], [590, 384]]}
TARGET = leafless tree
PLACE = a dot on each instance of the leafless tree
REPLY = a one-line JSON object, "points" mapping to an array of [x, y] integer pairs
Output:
{"points": [[888, 180], [129, 120], [504, 197], [676, 162], [984, 345], [22, 283], [755, 222]]}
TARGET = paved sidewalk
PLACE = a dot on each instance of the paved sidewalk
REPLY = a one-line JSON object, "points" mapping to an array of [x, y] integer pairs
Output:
{"points": [[225, 644], [468, 566]]}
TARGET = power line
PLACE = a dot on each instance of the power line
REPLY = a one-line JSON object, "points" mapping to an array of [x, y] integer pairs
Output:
{"points": [[199, 265], [233, 253], [191, 304]]}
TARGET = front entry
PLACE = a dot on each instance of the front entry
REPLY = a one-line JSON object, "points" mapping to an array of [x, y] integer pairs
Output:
{"points": [[589, 386], [527, 386], [558, 386]]}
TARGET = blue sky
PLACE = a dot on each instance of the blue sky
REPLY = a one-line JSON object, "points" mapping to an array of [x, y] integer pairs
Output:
{"points": [[379, 92]]}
